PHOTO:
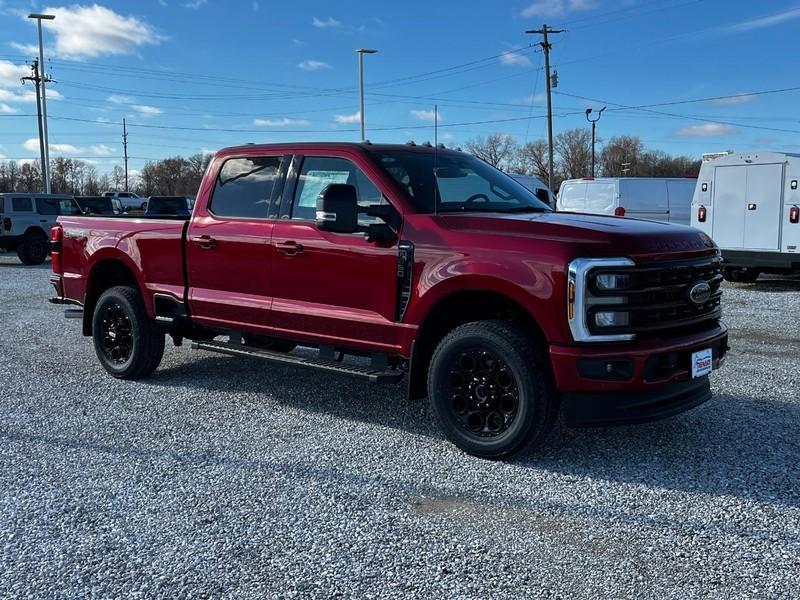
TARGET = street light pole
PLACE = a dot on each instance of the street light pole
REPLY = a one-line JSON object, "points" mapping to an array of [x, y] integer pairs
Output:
{"points": [[594, 129], [46, 143], [361, 52]]}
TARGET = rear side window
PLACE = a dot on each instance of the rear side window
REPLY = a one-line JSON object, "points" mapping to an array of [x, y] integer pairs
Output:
{"points": [[2, 204], [21, 204], [319, 172], [244, 187], [573, 196]]}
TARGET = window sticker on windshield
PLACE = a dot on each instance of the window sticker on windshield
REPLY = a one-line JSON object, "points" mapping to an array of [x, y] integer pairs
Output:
{"points": [[316, 181]]}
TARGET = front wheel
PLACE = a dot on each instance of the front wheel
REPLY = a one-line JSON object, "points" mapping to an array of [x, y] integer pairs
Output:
{"points": [[490, 390], [740, 275], [127, 342]]}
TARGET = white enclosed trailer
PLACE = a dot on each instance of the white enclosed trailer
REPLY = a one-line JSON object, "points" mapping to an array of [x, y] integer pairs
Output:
{"points": [[749, 203], [665, 199]]}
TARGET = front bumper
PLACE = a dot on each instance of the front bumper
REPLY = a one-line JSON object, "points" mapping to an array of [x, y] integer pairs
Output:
{"points": [[651, 379]]}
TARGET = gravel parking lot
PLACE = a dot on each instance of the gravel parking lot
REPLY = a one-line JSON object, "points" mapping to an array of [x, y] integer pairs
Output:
{"points": [[223, 476]]}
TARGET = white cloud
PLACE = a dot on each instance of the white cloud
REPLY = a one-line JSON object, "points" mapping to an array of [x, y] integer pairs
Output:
{"points": [[326, 23], [556, 8], [425, 115], [707, 130], [313, 65], [737, 99], [27, 95], [763, 22], [279, 122], [514, 59], [6, 109], [31, 49], [102, 150], [95, 30], [297, 42], [32, 144], [148, 111], [346, 119], [120, 99], [536, 99], [195, 4], [11, 73]]}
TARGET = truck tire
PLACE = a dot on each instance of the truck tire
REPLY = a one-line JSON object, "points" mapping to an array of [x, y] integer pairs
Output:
{"points": [[490, 390], [128, 343], [32, 248]]}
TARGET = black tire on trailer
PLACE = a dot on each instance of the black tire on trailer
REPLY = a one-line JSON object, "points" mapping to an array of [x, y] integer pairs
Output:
{"points": [[32, 248], [128, 343], [491, 390]]}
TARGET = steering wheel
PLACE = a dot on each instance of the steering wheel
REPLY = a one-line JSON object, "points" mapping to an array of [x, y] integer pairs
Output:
{"points": [[475, 197]]}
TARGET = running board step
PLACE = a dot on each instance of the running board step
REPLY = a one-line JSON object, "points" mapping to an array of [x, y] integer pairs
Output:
{"points": [[369, 373]]}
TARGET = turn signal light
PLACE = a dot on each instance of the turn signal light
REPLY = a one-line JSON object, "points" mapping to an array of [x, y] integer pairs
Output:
{"points": [[619, 211], [701, 214], [794, 214]]}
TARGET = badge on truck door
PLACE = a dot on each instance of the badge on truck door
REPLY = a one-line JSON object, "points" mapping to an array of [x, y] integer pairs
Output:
{"points": [[701, 363]]}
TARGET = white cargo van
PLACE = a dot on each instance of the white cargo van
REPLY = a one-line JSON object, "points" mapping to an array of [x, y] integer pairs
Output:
{"points": [[537, 186], [749, 203], [656, 199]]}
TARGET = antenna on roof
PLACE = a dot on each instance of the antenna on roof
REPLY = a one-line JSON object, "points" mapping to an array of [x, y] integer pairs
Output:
{"points": [[435, 159]]}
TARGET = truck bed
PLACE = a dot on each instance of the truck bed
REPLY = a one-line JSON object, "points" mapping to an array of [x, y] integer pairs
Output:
{"points": [[153, 248]]}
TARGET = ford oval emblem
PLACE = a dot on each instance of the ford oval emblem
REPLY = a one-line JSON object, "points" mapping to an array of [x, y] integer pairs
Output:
{"points": [[700, 292]]}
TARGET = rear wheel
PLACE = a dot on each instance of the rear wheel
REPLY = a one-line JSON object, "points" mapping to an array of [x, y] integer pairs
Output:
{"points": [[490, 390], [32, 248], [128, 343]]}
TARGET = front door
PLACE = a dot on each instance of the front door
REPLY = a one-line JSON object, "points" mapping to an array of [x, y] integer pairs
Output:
{"points": [[337, 287], [228, 249]]}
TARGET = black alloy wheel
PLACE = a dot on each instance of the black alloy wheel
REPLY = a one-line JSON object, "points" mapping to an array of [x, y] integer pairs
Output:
{"points": [[117, 334]]}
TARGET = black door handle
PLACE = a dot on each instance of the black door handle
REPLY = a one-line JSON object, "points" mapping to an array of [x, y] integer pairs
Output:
{"points": [[290, 248], [206, 242]]}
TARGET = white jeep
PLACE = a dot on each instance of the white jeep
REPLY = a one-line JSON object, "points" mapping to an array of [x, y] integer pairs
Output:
{"points": [[26, 219]]}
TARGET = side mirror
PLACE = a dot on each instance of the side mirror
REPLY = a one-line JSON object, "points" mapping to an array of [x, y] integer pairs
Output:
{"points": [[337, 209]]}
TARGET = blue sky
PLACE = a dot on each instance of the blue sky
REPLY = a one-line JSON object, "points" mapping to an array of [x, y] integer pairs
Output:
{"points": [[197, 75]]}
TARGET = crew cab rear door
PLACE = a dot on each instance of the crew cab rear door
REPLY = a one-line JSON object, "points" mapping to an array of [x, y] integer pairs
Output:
{"points": [[331, 288], [228, 251]]}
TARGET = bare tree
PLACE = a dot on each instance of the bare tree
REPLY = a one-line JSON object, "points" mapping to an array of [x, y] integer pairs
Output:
{"points": [[531, 159], [497, 149], [574, 148], [621, 156]]}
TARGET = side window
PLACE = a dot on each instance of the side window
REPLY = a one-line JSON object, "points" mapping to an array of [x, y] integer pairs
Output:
{"points": [[48, 206], [2, 204], [244, 187], [21, 204], [318, 172], [600, 197]]}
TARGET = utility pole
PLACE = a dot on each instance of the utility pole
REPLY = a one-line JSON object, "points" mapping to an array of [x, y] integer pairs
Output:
{"points": [[545, 44], [37, 80], [361, 52], [125, 150], [594, 128], [46, 142]]}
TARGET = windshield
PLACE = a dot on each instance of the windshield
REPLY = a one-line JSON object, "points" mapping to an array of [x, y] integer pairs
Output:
{"points": [[463, 183]]}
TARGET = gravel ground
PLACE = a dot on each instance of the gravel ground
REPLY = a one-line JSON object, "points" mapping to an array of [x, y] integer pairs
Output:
{"points": [[225, 477]]}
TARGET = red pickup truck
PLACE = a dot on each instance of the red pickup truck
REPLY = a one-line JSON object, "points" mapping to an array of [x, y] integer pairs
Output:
{"points": [[392, 261]]}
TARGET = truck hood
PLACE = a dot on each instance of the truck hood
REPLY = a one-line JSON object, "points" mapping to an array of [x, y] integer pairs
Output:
{"points": [[598, 234]]}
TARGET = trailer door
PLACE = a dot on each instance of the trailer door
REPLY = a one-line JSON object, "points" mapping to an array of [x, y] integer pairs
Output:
{"points": [[729, 189], [763, 207]]}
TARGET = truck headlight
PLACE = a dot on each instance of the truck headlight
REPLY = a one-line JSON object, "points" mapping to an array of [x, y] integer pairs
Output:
{"points": [[612, 319], [605, 311], [613, 281]]}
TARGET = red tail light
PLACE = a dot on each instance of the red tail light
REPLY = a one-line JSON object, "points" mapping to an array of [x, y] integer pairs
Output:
{"points": [[794, 214], [619, 211], [56, 235], [701, 214]]}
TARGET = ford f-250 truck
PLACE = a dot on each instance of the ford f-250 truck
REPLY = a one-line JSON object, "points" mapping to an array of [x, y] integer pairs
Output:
{"points": [[392, 261]]}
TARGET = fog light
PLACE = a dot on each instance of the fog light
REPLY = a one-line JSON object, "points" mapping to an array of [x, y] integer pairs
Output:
{"points": [[612, 319], [613, 281]]}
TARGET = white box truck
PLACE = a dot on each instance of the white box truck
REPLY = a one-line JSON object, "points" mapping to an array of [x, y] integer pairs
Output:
{"points": [[749, 203], [665, 199]]}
